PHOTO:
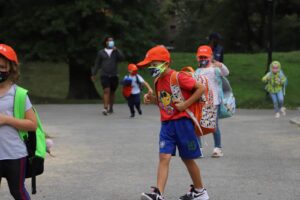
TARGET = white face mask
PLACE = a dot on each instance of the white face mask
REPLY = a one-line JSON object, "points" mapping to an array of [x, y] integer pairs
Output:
{"points": [[111, 44]]}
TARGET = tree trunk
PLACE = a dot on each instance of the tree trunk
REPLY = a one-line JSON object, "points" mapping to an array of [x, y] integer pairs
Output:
{"points": [[80, 84]]}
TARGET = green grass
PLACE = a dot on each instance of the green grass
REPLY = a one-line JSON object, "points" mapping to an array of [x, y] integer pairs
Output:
{"points": [[48, 82]]}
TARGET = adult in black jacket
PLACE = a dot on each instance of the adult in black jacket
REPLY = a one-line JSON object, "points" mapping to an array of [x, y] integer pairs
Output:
{"points": [[107, 60]]}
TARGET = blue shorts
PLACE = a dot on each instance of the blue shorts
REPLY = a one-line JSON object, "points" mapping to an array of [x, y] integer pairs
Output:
{"points": [[180, 133]]}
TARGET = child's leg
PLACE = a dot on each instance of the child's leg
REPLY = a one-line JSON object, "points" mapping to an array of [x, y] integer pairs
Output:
{"points": [[137, 103], [194, 172], [163, 171], [130, 101], [16, 177], [217, 133], [280, 99], [275, 101]]}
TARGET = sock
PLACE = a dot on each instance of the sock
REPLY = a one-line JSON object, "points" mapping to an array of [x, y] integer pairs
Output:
{"points": [[199, 190]]}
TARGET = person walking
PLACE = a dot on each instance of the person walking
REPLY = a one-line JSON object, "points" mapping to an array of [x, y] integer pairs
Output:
{"points": [[107, 60], [13, 150], [136, 83], [177, 129], [276, 82], [214, 43], [211, 68]]}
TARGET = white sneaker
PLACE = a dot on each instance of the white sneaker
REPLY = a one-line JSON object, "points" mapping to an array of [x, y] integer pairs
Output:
{"points": [[104, 112], [283, 111], [277, 115], [217, 152], [194, 195]]}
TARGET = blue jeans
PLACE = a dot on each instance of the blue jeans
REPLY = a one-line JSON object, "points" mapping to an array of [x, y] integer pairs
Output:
{"points": [[277, 99], [217, 133]]}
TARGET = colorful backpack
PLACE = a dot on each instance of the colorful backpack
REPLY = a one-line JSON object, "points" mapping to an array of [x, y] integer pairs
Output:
{"points": [[203, 112], [127, 87], [35, 141], [228, 105]]}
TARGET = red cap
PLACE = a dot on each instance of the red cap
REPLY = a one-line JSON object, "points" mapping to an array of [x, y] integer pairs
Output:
{"points": [[8, 53], [157, 53], [204, 50], [132, 67]]}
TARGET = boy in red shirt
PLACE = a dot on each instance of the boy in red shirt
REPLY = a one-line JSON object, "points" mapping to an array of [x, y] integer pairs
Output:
{"points": [[177, 129]]}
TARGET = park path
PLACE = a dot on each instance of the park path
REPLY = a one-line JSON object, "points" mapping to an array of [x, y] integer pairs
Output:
{"points": [[114, 158]]}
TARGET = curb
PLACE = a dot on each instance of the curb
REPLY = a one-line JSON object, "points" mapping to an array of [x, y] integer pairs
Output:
{"points": [[295, 120]]}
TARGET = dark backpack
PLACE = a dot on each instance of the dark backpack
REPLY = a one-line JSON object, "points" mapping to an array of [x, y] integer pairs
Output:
{"points": [[35, 141]]}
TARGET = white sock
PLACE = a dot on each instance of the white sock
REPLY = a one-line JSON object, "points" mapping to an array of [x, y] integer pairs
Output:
{"points": [[199, 190]]}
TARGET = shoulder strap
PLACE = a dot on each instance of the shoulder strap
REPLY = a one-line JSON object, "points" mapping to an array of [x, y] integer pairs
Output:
{"points": [[19, 106]]}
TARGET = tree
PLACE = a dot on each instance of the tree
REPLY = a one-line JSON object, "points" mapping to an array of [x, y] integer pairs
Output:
{"points": [[71, 31]]}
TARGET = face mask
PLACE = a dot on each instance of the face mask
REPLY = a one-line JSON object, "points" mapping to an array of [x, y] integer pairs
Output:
{"points": [[3, 76], [111, 44], [157, 70], [134, 73], [203, 63]]}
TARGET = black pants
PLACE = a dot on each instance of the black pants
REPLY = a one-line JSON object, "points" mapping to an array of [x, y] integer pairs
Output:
{"points": [[134, 100], [14, 172]]}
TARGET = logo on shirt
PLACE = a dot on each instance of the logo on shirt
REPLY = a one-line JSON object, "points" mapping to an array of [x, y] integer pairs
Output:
{"points": [[165, 101]]}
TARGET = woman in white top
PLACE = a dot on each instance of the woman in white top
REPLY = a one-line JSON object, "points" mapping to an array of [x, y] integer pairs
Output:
{"points": [[212, 69]]}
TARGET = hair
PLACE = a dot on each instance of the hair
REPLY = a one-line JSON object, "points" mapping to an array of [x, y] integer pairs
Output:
{"points": [[14, 72], [105, 40]]}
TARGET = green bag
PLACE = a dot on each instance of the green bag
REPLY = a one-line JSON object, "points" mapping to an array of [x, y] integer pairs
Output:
{"points": [[35, 141]]}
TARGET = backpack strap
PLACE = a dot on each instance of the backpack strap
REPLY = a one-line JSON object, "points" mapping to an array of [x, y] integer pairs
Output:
{"points": [[177, 94], [19, 107]]}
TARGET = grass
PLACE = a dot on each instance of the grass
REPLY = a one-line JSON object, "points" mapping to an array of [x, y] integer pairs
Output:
{"points": [[48, 82]]}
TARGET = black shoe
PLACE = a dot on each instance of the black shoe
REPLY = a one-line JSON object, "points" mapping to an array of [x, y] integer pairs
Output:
{"points": [[132, 115], [140, 112], [154, 195], [110, 111]]}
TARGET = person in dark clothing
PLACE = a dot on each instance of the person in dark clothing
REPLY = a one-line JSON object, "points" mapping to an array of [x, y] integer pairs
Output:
{"points": [[107, 60], [214, 42]]}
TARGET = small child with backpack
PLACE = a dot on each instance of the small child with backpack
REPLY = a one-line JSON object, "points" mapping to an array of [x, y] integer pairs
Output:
{"points": [[13, 150], [276, 83], [212, 69], [132, 85], [177, 128]]}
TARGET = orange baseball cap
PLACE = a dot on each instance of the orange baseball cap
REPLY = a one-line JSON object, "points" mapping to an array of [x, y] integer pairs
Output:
{"points": [[204, 50], [157, 53], [132, 67], [8, 53]]}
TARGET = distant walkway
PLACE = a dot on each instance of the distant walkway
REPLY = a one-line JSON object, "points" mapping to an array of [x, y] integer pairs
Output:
{"points": [[115, 158]]}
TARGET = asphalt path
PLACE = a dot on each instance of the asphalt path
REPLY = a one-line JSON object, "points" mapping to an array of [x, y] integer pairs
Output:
{"points": [[115, 158]]}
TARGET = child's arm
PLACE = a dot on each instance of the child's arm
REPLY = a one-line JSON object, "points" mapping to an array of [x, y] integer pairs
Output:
{"points": [[223, 69], [150, 98], [199, 89], [27, 124], [266, 78], [148, 87]]}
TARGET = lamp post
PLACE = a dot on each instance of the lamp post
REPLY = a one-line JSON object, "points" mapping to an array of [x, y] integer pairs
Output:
{"points": [[270, 32]]}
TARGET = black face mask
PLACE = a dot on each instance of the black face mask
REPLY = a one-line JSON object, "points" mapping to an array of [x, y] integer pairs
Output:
{"points": [[3, 76], [203, 63]]}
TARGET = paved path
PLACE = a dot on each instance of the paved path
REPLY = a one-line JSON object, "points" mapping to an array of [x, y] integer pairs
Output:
{"points": [[115, 158]]}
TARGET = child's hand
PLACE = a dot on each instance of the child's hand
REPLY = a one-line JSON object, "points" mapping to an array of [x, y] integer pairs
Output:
{"points": [[147, 98], [3, 119], [180, 105], [218, 64]]}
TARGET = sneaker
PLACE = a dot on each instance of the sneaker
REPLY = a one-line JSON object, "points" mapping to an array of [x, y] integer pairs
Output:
{"points": [[194, 195], [277, 115], [217, 152], [110, 111], [140, 112], [132, 115], [202, 154], [283, 111], [104, 112], [154, 195]]}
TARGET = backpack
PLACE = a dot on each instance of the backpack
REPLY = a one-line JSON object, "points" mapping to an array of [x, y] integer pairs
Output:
{"points": [[203, 112], [127, 87], [35, 141], [227, 105]]}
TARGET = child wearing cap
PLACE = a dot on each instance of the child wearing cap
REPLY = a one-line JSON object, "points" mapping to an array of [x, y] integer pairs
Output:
{"points": [[212, 69], [13, 151], [276, 81], [177, 129], [136, 82]]}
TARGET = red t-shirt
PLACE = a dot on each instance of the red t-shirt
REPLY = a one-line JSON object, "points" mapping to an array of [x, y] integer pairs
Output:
{"points": [[166, 105]]}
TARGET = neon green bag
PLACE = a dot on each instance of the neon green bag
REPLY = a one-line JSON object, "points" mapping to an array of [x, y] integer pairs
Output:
{"points": [[35, 141]]}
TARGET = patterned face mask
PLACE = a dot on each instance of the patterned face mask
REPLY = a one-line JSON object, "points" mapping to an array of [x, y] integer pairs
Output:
{"points": [[3, 76], [156, 71], [203, 63]]}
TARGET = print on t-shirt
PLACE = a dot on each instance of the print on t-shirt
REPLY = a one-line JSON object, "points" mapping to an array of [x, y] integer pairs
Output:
{"points": [[165, 102]]}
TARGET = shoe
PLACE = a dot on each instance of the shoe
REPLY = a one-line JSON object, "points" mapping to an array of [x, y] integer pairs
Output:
{"points": [[202, 154], [217, 152], [110, 111], [140, 112], [132, 115], [104, 112], [194, 195], [283, 111], [154, 195], [277, 115]]}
